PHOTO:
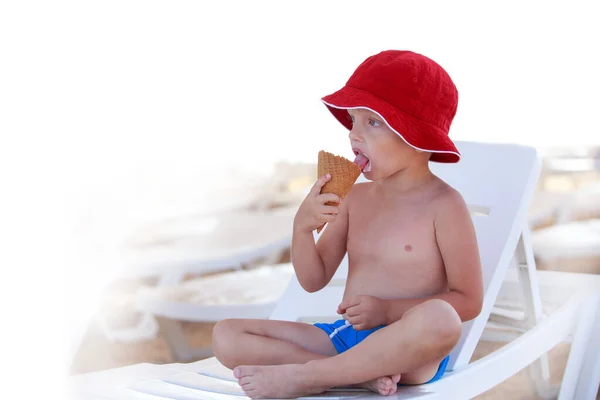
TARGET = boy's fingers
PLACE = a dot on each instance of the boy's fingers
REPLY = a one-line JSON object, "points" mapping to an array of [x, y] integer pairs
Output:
{"points": [[327, 218], [352, 311], [329, 198], [329, 210], [346, 304], [355, 322], [316, 189]]}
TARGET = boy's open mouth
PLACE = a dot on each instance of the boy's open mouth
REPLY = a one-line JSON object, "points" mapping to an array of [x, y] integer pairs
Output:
{"points": [[362, 161]]}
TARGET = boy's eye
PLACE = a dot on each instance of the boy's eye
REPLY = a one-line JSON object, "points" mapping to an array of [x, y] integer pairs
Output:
{"points": [[350, 118], [374, 122]]}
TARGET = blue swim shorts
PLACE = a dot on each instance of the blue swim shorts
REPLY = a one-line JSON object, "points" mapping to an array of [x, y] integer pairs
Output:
{"points": [[344, 337]]}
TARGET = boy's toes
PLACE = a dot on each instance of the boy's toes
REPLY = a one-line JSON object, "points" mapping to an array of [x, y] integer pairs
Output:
{"points": [[243, 371], [245, 380], [384, 385], [388, 385], [385, 392]]}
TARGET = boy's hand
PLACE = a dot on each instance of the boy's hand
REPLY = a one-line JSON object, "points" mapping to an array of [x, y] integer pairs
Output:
{"points": [[313, 212], [364, 311]]}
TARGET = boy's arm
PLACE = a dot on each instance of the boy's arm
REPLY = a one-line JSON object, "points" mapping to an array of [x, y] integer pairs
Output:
{"points": [[457, 242], [315, 264]]}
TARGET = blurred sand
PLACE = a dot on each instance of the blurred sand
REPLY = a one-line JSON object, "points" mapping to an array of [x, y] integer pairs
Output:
{"points": [[97, 353]]}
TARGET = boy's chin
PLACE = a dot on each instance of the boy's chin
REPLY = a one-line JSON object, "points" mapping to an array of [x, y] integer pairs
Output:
{"points": [[369, 175]]}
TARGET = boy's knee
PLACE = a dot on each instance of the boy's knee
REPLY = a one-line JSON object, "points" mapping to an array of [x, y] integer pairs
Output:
{"points": [[441, 321], [223, 335], [446, 323]]}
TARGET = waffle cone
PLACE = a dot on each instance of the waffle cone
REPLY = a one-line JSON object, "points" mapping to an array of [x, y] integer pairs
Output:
{"points": [[343, 175]]}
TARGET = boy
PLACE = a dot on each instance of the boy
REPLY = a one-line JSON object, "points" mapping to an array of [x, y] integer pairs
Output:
{"points": [[414, 272]]}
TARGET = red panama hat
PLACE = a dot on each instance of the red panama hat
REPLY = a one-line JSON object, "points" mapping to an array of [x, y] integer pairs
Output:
{"points": [[413, 95]]}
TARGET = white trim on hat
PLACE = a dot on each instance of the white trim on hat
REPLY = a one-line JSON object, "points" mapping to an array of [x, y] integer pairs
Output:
{"points": [[395, 131]]}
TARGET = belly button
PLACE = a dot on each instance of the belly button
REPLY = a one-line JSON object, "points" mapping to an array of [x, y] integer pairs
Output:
{"points": [[408, 247]]}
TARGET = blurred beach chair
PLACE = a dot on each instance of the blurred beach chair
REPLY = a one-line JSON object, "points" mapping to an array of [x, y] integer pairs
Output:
{"points": [[255, 240], [249, 293], [249, 223], [569, 176], [565, 215], [556, 207], [499, 194], [573, 245], [266, 231], [570, 165], [573, 238]]}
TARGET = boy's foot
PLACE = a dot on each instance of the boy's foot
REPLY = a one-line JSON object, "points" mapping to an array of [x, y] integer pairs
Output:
{"points": [[281, 381], [385, 386]]}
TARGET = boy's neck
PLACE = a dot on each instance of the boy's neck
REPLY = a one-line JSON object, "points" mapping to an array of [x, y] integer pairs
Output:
{"points": [[409, 179]]}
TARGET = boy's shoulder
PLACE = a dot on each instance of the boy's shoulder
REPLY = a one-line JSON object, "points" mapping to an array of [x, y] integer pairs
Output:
{"points": [[447, 193], [450, 200]]}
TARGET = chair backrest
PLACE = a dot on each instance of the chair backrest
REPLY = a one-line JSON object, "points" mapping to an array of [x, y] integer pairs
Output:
{"points": [[498, 183]]}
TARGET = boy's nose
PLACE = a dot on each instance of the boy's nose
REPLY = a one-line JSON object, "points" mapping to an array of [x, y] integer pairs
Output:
{"points": [[355, 135]]}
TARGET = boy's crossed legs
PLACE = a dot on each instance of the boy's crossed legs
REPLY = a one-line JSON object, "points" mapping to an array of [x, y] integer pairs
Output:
{"points": [[260, 342], [287, 359]]}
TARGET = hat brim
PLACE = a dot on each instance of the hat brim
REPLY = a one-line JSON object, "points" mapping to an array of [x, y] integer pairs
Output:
{"points": [[415, 132]]}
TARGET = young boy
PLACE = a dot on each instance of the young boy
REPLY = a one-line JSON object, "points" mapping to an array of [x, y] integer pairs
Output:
{"points": [[414, 271]]}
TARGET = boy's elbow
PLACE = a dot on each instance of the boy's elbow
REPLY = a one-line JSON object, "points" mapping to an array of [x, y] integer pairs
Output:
{"points": [[312, 283], [472, 311], [311, 286]]}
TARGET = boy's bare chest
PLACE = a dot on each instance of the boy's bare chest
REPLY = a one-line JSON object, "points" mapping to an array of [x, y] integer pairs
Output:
{"points": [[400, 230], [394, 250]]}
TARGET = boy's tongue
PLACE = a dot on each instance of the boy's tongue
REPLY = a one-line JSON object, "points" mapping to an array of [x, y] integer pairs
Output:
{"points": [[361, 161]]}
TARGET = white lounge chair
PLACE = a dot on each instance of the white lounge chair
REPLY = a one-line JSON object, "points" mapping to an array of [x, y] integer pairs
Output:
{"points": [[498, 182]]}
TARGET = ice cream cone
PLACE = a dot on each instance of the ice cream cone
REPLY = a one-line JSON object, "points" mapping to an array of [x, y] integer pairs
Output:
{"points": [[343, 175]]}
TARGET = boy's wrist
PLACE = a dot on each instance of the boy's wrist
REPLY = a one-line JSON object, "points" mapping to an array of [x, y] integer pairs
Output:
{"points": [[387, 307], [298, 229]]}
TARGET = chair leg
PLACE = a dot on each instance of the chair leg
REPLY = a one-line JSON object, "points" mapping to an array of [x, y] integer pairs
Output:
{"points": [[145, 328], [178, 344], [540, 369], [170, 278]]}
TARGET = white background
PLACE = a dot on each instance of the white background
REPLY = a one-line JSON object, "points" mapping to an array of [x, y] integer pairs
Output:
{"points": [[103, 102]]}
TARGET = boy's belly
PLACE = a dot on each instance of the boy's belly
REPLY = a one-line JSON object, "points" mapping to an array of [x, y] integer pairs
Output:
{"points": [[398, 282]]}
